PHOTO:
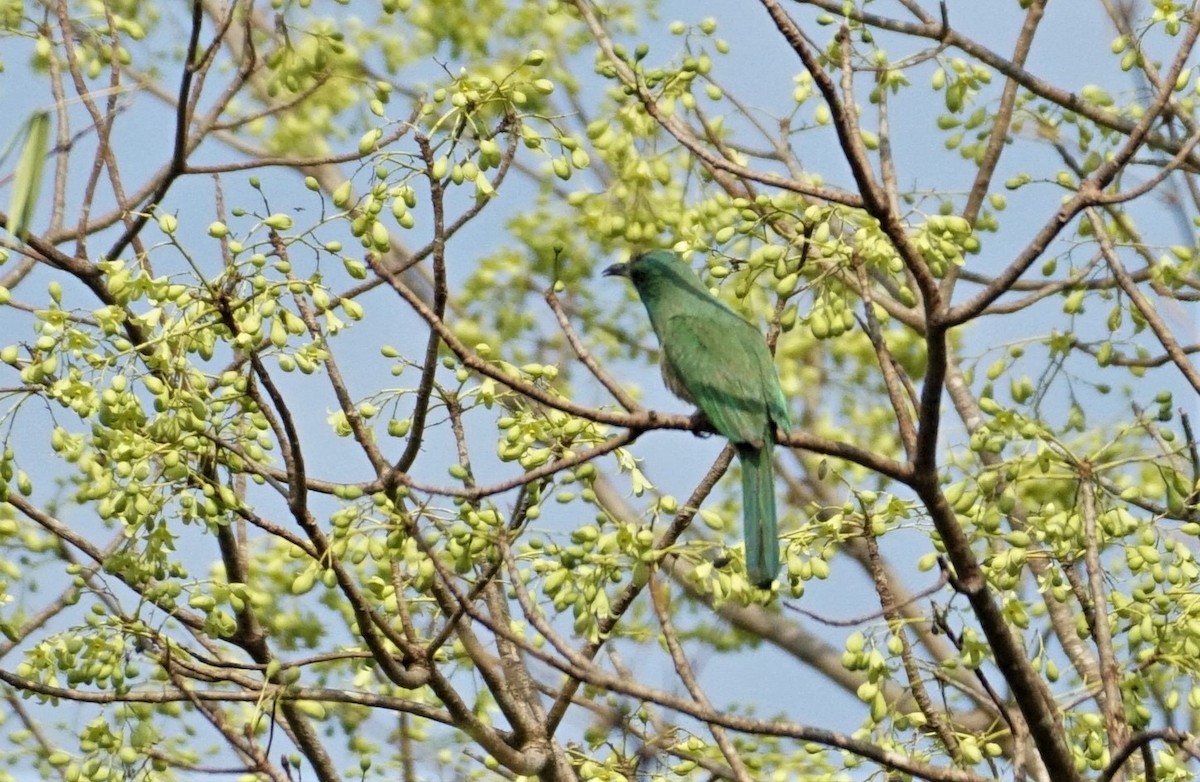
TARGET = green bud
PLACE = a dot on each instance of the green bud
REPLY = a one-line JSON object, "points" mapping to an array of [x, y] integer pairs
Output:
{"points": [[278, 221]]}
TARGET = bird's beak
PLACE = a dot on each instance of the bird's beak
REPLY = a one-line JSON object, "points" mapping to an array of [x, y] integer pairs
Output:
{"points": [[617, 270]]}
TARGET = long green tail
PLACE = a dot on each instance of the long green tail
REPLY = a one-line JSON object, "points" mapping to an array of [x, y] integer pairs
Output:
{"points": [[760, 529]]}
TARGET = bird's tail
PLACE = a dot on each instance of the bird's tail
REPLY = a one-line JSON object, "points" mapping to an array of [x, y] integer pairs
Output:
{"points": [[758, 506]]}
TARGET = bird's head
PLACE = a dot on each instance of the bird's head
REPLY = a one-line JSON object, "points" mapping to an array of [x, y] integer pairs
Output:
{"points": [[651, 270]]}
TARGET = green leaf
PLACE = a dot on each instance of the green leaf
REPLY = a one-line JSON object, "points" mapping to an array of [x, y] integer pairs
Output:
{"points": [[27, 180]]}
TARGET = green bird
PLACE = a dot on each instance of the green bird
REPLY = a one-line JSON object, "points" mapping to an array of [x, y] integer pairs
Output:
{"points": [[716, 360]]}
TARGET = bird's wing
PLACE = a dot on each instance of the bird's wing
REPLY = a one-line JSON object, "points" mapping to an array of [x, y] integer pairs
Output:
{"points": [[723, 364]]}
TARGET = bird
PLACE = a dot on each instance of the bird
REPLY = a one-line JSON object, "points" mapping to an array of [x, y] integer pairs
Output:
{"points": [[718, 361]]}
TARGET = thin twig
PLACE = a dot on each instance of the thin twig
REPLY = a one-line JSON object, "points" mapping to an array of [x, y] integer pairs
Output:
{"points": [[874, 616], [564, 323], [686, 675], [1112, 705]]}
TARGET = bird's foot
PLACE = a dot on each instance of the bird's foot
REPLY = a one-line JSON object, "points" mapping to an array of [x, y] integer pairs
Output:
{"points": [[701, 426]]}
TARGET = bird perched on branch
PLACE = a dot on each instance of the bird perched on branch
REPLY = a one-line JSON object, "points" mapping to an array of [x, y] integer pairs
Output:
{"points": [[718, 361]]}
